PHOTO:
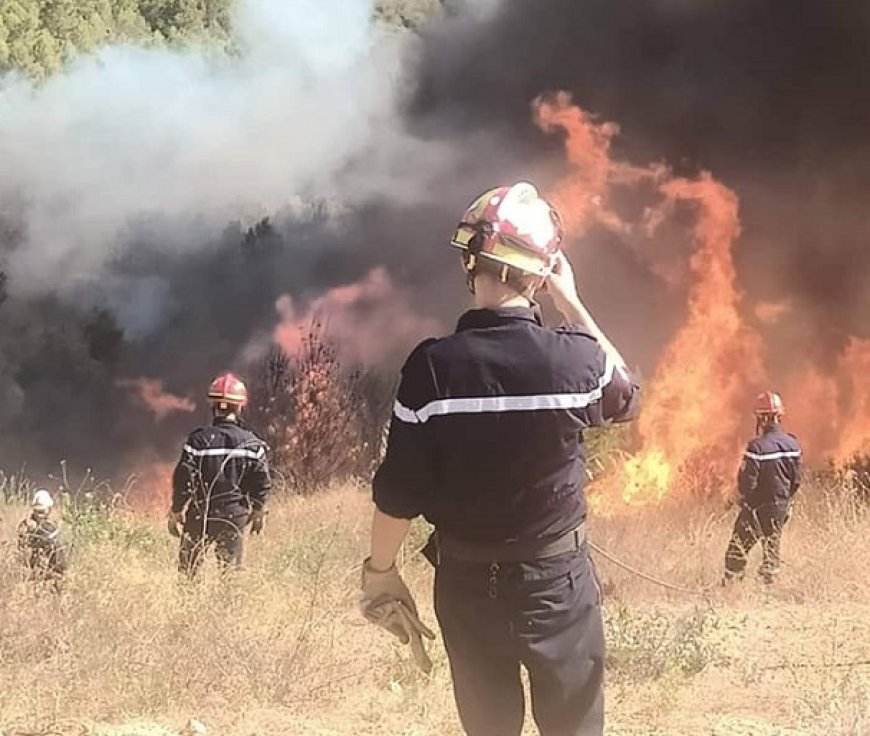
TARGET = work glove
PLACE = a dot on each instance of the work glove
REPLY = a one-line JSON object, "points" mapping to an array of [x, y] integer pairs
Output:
{"points": [[174, 523], [387, 602], [258, 520]]}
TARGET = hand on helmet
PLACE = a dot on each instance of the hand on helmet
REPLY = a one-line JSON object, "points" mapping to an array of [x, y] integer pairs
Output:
{"points": [[560, 285]]}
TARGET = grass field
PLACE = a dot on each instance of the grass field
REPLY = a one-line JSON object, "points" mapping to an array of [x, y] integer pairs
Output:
{"points": [[280, 648]]}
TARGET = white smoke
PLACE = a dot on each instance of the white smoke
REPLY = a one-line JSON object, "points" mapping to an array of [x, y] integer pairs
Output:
{"points": [[198, 137]]}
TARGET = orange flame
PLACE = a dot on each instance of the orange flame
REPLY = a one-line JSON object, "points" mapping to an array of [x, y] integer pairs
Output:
{"points": [[704, 372], [811, 402], [830, 409], [854, 369], [149, 394]]}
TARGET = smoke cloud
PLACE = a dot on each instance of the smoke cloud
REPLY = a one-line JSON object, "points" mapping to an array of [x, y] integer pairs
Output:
{"points": [[134, 139], [127, 188]]}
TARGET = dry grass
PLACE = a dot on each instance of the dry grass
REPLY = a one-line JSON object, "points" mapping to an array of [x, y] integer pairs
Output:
{"points": [[280, 648]]}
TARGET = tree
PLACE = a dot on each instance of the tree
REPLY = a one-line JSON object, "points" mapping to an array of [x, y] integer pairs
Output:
{"points": [[37, 37]]}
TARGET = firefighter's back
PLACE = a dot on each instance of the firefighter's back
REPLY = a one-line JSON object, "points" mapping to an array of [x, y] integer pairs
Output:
{"points": [[218, 458], [778, 455], [503, 403]]}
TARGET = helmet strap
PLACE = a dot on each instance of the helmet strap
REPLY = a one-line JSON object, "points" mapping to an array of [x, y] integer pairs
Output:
{"points": [[469, 261], [507, 275]]}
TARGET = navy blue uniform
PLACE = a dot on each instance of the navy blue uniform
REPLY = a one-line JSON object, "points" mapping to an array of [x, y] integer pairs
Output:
{"points": [[769, 477], [222, 475], [486, 442], [44, 551]]}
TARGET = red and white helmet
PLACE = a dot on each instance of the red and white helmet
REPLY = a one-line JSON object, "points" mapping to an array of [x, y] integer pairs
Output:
{"points": [[228, 391], [769, 403], [511, 226]]}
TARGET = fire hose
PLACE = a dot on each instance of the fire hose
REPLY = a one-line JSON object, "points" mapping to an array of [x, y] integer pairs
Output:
{"points": [[650, 578]]}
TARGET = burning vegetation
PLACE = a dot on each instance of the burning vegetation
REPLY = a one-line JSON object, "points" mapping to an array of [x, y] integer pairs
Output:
{"points": [[717, 234]]}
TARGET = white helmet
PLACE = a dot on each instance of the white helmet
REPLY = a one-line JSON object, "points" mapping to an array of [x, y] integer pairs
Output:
{"points": [[42, 501]]}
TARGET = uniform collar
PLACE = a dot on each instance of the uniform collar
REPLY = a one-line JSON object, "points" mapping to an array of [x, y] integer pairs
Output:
{"points": [[482, 318]]}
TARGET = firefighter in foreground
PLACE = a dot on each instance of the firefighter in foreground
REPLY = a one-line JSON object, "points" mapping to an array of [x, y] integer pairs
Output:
{"points": [[769, 477], [220, 484], [486, 442], [40, 543]]}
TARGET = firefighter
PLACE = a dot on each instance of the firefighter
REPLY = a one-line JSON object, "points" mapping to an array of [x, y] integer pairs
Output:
{"points": [[486, 442], [40, 543], [767, 482], [220, 484]]}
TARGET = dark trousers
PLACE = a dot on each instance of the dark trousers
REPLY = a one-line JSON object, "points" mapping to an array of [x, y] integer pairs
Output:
{"points": [[224, 534], [545, 615], [756, 524]]}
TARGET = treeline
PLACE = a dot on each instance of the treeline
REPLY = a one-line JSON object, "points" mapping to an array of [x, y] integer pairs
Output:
{"points": [[37, 37]]}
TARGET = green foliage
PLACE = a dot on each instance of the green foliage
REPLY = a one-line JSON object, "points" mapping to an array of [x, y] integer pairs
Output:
{"points": [[92, 518], [405, 13], [15, 488], [648, 646], [37, 37]]}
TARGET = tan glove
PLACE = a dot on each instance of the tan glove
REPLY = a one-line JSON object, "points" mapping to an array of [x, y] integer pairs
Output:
{"points": [[175, 522], [258, 520], [387, 602]]}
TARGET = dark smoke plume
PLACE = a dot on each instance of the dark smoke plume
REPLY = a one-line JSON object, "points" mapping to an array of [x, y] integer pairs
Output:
{"points": [[768, 95], [119, 267]]}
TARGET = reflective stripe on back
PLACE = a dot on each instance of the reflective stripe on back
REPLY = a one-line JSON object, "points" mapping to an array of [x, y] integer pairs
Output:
{"points": [[497, 404], [772, 455], [225, 452]]}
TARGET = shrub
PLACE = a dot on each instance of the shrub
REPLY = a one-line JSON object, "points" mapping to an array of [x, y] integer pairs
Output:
{"points": [[647, 646], [323, 420]]}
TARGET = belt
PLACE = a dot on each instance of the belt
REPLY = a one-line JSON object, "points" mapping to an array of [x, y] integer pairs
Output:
{"points": [[535, 549]]}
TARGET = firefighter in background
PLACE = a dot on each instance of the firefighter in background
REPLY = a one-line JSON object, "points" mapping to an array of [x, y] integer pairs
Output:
{"points": [[220, 484], [40, 543], [486, 442], [769, 477]]}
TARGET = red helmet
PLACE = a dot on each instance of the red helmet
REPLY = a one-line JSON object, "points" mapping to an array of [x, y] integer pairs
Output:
{"points": [[769, 403], [512, 226], [228, 390]]}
